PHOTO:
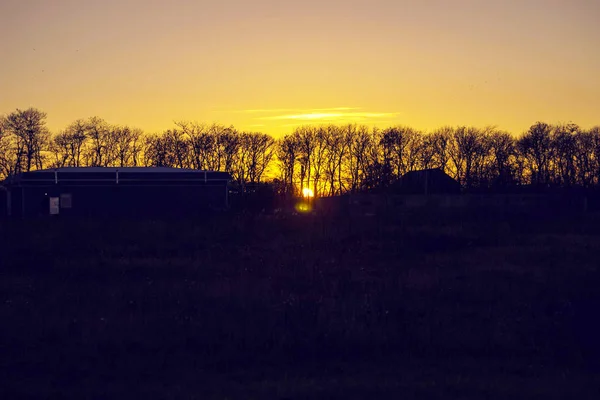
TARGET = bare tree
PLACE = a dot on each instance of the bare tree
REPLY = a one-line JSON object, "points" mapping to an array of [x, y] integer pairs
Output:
{"points": [[358, 140], [400, 144], [378, 172], [156, 152], [7, 161], [201, 139], [595, 137], [100, 143], [60, 148], [305, 137], [330, 159], [226, 143], [28, 128], [287, 153], [440, 141], [535, 146], [564, 149], [503, 153], [318, 158], [425, 152], [468, 151], [136, 146], [584, 159], [177, 148], [72, 141], [260, 152], [336, 152], [126, 145]]}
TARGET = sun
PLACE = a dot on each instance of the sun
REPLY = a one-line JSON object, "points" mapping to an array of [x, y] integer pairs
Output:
{"points": [[306, 192]]}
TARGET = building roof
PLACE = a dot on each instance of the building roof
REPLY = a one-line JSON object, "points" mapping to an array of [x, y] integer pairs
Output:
{"points": [[427, 181], [116, 175], [148, 170]]}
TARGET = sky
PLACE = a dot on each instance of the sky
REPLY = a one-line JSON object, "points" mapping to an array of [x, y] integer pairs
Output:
{"points": [[271, 65]]}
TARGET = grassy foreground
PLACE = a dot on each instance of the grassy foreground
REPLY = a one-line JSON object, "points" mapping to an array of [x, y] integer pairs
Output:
{"points": [[301, 307]]}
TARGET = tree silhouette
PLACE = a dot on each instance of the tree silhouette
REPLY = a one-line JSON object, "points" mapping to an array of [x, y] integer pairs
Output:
{"points": [[287, 152], [28, 128], [330, 159], [440, 141], [127, 145], [358, 141], [535, 146], [260, 151], [201, 143], [100, 142], [503, 154]]}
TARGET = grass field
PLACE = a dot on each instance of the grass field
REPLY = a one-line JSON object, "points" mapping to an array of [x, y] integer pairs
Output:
{"points": [[301, 307]]}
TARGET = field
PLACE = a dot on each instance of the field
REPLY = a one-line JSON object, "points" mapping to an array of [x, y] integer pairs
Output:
{"points": [[301, 307]]}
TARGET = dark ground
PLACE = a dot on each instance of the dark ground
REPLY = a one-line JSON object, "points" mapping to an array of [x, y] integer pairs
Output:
{"points": [[300, 307]]}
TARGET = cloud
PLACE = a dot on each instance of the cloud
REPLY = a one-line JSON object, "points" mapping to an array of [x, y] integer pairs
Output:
{"points": [[296, 110], [331, 116]]}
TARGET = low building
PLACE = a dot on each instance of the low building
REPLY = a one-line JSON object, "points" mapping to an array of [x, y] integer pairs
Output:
{"points": [[426, 182], [126, 191]]}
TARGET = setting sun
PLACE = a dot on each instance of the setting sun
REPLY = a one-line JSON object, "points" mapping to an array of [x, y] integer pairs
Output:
{"points": [[306, 192]]}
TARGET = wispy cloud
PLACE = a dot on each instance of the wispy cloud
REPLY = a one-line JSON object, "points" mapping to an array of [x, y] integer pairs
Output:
{"points": [[295, 110], [331, 116]]}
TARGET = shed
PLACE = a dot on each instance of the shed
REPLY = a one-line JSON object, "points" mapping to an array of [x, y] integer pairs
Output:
{"points": [[426, 182], [107, 191]]}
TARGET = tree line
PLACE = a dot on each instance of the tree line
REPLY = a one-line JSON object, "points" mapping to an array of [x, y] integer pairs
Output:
{"points": [[331, 159]]}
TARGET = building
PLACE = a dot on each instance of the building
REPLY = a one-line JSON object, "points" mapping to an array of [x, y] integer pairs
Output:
{"points": [[125, 191], [426, 182]]}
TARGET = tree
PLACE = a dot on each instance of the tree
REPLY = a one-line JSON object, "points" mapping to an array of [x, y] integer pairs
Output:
{"points": [[425, 152], [318, 158], [564, 149], [401, 145], [503, 153], [440, 141], [305, 138], [28, 128], [100, 143], [467, 152], [358, 140], [226, 143], [336, 147], [126, 145], [535, 146], [60, 149], [7, 162], [378, 171], [156, 152], [177, 147], [73, 141], [287, 152], [595, 135], [201, 141], [585, 162], [260, 152]]}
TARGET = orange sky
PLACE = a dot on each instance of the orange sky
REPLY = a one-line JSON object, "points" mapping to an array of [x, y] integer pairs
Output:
{"points": [[269, 65]]}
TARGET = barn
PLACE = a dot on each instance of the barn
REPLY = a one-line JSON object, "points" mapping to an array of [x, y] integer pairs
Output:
{"points": [[125, 191], [426, 182]]}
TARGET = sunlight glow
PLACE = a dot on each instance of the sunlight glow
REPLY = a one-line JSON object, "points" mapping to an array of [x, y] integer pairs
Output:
{"points": [[306, 192], [303, 207]]}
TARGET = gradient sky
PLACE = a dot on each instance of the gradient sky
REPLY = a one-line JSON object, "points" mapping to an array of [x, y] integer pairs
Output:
{"points": [[270, 65]]}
